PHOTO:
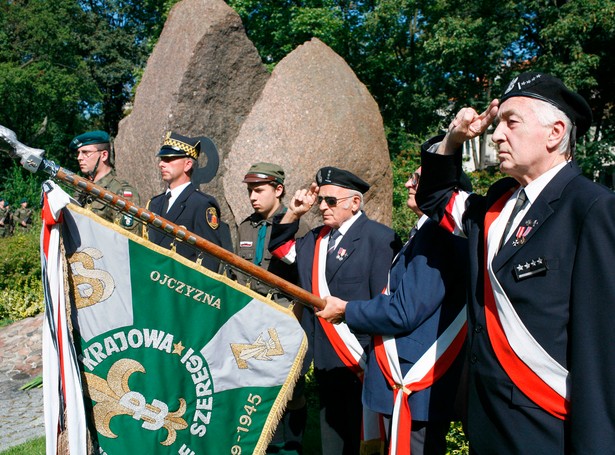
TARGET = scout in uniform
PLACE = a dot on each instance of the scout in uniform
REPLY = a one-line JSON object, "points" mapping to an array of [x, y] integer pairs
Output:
{"points": [[265, 184]]}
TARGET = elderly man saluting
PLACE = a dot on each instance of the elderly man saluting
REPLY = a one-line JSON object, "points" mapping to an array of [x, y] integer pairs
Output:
{"points": [[542, 242], [349, 256]]}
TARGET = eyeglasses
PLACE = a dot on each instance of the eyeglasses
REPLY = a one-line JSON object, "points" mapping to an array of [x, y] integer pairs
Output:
{"points": [[415, 178], [331, 201], [88, 153]]}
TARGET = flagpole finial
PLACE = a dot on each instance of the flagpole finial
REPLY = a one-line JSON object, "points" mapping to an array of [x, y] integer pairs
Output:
{"points": [[30, 158]]}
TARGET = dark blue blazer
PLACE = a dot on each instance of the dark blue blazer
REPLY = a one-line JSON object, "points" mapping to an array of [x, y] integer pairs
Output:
{"points": [[361, 274], [568, 308], [428, 290], [197, 212]]}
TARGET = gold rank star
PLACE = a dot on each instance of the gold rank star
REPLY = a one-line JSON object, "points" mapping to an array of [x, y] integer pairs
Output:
{"points": [[178, 348]]}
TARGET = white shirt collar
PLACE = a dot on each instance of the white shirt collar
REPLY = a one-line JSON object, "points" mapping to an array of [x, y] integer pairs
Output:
{"points": [[175, 192], [535, 187], [421, 221], [349, 222]]}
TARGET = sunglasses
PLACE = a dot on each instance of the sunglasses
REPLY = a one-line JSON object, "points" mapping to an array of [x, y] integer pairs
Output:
{"points": [[331, 201], [415, 178]]}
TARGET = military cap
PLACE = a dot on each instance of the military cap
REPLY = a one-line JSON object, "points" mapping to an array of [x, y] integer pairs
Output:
{"points": [[264, 173], [23, 200], [177, 145], [1, 199], [91, 137], [340, 177], [552, 90]]}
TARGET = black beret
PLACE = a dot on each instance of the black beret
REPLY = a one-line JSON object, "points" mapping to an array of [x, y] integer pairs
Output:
{"points": [[91, 137], [177, 145], [340, 177], [552, 90]]}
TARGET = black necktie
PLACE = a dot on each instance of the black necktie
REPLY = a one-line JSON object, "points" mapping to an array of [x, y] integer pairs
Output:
{"points": [[165, 204], [519, 204], [332, 238]]}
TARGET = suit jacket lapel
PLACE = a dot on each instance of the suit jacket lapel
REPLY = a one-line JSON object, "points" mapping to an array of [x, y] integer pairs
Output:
{"points": [[345, 248], [538, 213], [156, 205]]}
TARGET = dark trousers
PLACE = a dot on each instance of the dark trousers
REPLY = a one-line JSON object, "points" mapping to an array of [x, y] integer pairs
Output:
{"points": [[429, 438], [341, 411]]}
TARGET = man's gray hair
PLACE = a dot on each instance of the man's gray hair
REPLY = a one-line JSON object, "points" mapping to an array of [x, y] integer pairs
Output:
{"points": [[547, 115], [359, 195]]}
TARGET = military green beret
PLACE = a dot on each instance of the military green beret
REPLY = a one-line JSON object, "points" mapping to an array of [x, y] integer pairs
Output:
{"points": [[91, 137]]}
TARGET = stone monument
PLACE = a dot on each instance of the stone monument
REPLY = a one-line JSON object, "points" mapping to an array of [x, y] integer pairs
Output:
{"points": [[313, 112], [202, 79]]}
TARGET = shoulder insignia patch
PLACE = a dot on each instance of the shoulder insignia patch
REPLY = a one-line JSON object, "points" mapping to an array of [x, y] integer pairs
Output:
{"points": [[212, 217], [127, 221]]}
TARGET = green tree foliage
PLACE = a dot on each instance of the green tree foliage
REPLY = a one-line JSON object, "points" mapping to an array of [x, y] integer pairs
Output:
{"points": [[21, 293], [423, 60], [42, 85], [118, 41], [70, 66], [577, 39]]}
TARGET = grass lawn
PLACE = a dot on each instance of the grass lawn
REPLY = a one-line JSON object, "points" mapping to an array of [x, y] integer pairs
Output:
{"points": [[33, 447]]}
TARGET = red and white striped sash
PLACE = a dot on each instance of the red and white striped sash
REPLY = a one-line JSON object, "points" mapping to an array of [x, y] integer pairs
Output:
{"points": [[345, 343], [423, 374], [528, 365]]}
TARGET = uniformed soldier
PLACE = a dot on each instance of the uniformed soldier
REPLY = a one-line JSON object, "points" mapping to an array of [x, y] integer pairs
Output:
{"points": [[5, 219], [265, 182], [23, 216], [96, 161], [184, 204]]}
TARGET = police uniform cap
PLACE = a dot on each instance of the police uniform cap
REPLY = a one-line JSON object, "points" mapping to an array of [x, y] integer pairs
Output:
{"points": [[552, 90], [181, 146], [264, 173], [340, 177], [91, 137]]}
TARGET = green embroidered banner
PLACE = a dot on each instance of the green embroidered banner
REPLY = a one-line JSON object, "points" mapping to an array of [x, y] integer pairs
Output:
{"points": [[175, 359]]}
